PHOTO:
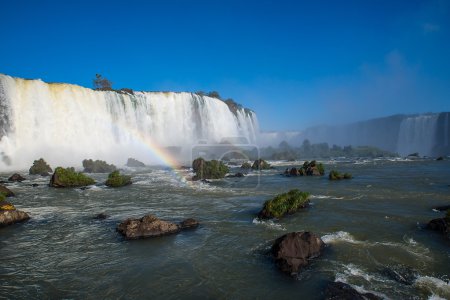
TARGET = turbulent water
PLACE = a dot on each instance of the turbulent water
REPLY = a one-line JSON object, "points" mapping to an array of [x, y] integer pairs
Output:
{"points": [[67, 123], [370, 223]]}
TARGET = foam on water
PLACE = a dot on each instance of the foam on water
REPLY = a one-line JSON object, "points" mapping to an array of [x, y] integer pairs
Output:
{"points": [[269, 223], [438, 287], [340, 236]]}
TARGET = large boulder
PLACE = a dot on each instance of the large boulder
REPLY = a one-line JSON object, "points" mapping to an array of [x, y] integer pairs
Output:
{"points": [[5, 191], [134, 163], [343, 291], [292, 251], [212, 169], [40, 167], [115, 179], [151, 226], [63, 178], [10, 215], [16, 178], [97, 166], [260, 164], [285, 203]]}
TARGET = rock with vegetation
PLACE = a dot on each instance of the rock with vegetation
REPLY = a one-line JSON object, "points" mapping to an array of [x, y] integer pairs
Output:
{"points": [[441, 225], [16, 178], [67, 177], [134, 163], [5, 191], [212, 169], [40, 167], [285, 203], [440, 158], [307, 169], [115, 179], [151, 226], [260, 164], [339, 290], [335, 175], [292, 251], [9, 214], [97, 166], [246, 166]]}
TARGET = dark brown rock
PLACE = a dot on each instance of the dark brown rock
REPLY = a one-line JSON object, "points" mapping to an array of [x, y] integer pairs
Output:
{"points": [[293, 250], [440, 225], [189, 224], [294, 172], [147, 226], [10, 215], [5, 191], [343, 291], [16, 177], [101, 216]]}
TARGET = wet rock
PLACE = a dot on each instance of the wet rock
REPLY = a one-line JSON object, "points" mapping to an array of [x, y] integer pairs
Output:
{"points": [[189, 224], [294, 172], [440, 225], [442, 208], [292, 251], [134, 163], [16, 178], [40, 167], [34, 184], [101, 216], [440, 158], [10, 215], [235, 175], [5, 191], [343, 291], [401, 274]]}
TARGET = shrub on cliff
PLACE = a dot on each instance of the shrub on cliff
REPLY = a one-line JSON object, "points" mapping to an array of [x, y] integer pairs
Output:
{"points": [[115, 179], [40, 167], [98, 166], [283, 204], [69, 178], [212, 169]]}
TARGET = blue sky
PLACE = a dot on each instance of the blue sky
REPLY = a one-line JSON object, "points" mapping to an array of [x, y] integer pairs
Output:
{"points": [[296, 63]]}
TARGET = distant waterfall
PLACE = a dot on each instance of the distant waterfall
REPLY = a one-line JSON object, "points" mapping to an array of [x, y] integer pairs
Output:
{"points": [[66, 123], [417, 134]]}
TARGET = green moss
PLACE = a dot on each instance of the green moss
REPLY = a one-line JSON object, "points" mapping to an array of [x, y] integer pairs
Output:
{"points": [[97, 166], [285, 203], [212, 169], [335, 175], [2, 197], [117, 180], [246, 166], [321, 168], [260, 164], [69, 178], [40, 167]]}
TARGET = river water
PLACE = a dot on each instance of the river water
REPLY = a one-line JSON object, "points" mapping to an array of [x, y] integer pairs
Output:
{"points": [[370, 223]]}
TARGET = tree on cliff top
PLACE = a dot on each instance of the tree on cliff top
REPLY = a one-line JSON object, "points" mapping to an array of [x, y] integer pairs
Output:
{"points": [[101, 83]]}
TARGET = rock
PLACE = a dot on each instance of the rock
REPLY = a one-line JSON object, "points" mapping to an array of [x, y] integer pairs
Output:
{"points": [[401, 274], [63, 178], [335, 175], [16, 178], [40, 167], [10, 215], [115, 179], [441, 225], [101, 216], [189, 224], [246, 166], [205, 181], [442, 208], [134, 163], [440, 158], [285, 203], [260, 164], [235, 175], [98, 166], [343, 291], [293, 250], [294, 172], [5, 191], [34, 184], [147, 226], [212, 169]]}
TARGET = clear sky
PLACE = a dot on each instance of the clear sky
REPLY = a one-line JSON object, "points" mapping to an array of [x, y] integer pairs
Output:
{"points": [[296, 63]]}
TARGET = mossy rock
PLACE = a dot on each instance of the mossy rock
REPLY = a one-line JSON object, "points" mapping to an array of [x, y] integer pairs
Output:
{"points": [[5, 191], [97, 166], [212, 169], [286, 203], [134, 163], [4, 205], [115, 179], [260, 164], [69, 178], [40, 167], [335, 175], [246, 166]]}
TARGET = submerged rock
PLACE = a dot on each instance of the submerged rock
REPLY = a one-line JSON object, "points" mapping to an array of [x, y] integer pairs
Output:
{"points": [[239, 174], [16, 178], [5, 191], [151, 226], [40, 167], [440, 158], [343, 291], [292, 251], [101, 216], [134, 163], [401, 274], [10, 215]]}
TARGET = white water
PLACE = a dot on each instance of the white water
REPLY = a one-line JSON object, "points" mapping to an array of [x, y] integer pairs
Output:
{"points": [[66, 123], [417, 134]]}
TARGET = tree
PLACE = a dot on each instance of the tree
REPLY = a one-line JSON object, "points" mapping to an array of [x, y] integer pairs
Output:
{"points": [[101, 83], [214, 94]]}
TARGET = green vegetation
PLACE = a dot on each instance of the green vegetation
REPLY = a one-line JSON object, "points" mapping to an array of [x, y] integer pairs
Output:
{"points": [[213, 169], [335, 175], [2, 197], [246, 166], [69, 178], [117, 180], [283, 204], [101, 83], [232, 105], [40, 167], [260, 164], [98, 166]]}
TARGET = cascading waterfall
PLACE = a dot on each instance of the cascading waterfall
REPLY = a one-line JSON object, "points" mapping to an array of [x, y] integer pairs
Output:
{"points": [[66, 123], [417, 134]]}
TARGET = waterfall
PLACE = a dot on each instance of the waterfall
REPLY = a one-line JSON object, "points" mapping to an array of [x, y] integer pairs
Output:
{"points": [[417, 134], [65, 123]]}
